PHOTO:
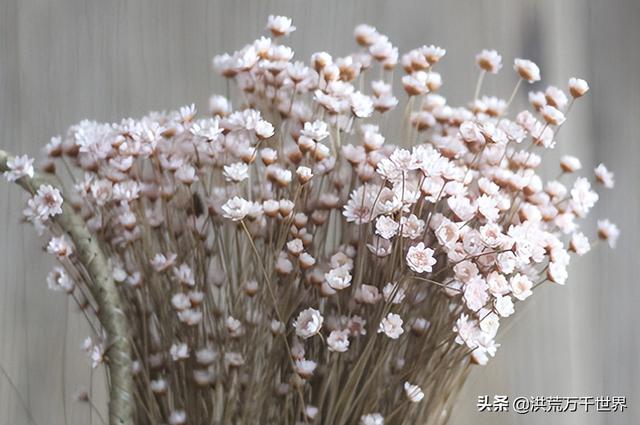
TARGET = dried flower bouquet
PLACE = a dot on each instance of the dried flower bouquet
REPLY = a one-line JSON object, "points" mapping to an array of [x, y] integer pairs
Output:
{"points": [[278, 262]]}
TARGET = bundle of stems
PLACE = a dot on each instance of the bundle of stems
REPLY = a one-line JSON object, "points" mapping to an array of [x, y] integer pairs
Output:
{"points": [[278, 262]]}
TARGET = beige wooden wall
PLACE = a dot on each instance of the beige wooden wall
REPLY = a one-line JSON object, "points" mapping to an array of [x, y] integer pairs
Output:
{"points": [[61, 61]]}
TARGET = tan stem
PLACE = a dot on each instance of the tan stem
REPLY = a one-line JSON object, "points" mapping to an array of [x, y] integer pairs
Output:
{"points": [[110, 314]]}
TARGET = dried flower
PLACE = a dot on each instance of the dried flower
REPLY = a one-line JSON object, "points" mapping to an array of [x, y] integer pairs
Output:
{"points": [[391, 326], [19, 167], [527, 70], [308, 323], [578, 87], [420, 259], [414, 393], [489, 60], [280, 25]]}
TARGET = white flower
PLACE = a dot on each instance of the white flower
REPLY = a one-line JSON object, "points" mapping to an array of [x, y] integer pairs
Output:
{"points": [[219, 105], [447, 233], [504, 305], [570, 164], [280, 25], [608, 231], [97, 355], [582, 197], [179, 351], [557, 272], [487, 207], [234, 327], [366, 35], [305, 368], [489, 60], [236, 208], [361, 105], [178, 417], [386, 227], [578, 87], [552, 115], [317, 130], [58, 280], [391, 326], [497, 284], [432, 53], [180, 301], [304, 174], [339, 277], [264, 129], [184, 275], [60, 247], [413, 392], [236, 172], [367, 294], [412, 227], [338, 341], [579, 243], [46, 203], [186, 174], [393, 293], [308, 323], [158, 386], [475, 293], [160, 262], [190, 317], [420, 259], [527, 70], [604, 176], [19, 166], [521, 286], [372, 419]]}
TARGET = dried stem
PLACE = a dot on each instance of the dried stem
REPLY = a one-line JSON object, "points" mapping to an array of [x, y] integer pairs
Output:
{"points": [[112, 318]]}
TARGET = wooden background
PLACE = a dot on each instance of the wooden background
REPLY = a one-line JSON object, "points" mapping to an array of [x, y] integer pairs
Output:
{"points": [[61, 61]]}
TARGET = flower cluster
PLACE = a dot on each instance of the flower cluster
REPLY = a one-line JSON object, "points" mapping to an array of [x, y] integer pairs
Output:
{"points": [[281, 262]]}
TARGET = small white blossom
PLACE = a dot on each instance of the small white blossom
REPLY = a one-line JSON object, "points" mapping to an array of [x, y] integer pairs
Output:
{"points": [[179, 351], [420, 259], [308, 323], [489, 60], [413, 392], [338, 341], [604, 176], [578, 87], [386, 227], [236, 172], [527, 70], [19, 166], [280, 25], [579, 243], [236, 208], [521, 286], [391, 326], [609, 232], [60, 247], [504, 305], [372, 419]]}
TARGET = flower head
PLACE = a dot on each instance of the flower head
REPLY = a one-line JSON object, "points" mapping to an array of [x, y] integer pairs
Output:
{"points": [[308, 323], [420, 259], [19, 167], [280, 25]]}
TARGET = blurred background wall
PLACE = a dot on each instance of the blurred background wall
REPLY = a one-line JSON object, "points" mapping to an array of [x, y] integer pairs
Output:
{"points": [[62, 61]]}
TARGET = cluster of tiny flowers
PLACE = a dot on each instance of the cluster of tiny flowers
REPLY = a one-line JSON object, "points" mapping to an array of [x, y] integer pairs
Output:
{"points": [[272, 249]]}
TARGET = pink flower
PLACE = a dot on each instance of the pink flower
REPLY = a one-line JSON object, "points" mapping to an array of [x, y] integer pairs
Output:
{"points": [[391, 326], [420, 259]]}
